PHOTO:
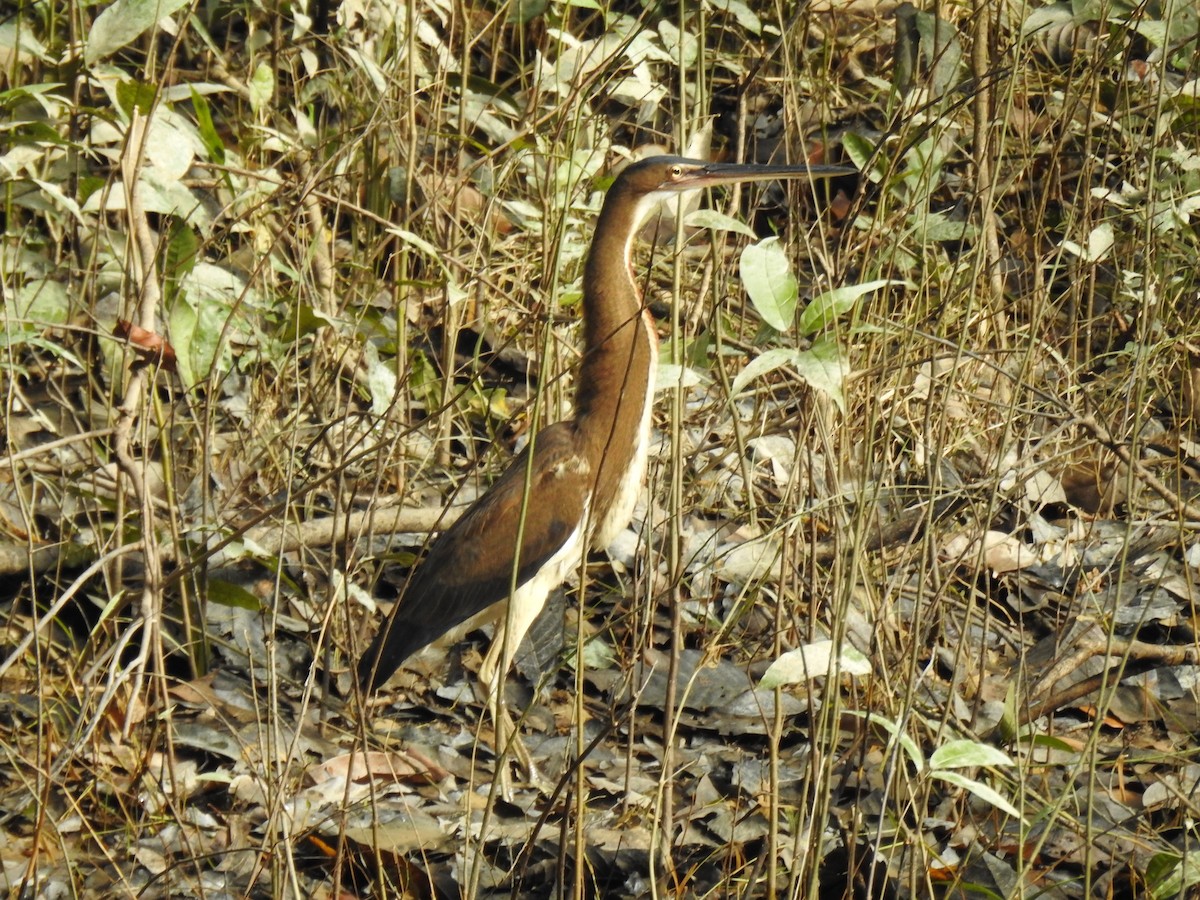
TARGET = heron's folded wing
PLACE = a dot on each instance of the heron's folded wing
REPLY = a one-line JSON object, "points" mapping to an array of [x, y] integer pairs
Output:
{"points": [[470, 566]]}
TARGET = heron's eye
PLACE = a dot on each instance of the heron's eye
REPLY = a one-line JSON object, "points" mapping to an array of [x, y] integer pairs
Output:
{"points": [[676, 171]]}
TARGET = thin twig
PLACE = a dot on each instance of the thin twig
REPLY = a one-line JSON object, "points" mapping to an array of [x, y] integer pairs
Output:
{"points": [[143, 251]]}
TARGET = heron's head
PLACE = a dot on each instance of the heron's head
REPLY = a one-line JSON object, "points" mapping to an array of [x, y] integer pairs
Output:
{"points": [[651, 180]]}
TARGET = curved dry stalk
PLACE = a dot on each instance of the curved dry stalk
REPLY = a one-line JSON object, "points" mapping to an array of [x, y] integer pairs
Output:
{"points": [[143, 251]]}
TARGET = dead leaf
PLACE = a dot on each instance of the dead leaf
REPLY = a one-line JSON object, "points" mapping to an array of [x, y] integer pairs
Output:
{"points": [[149, 346], [377, 765], [1000, 552]]}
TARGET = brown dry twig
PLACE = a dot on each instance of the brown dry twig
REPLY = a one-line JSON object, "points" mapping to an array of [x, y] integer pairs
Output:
{"points": [[1186, 511], [143, 252], [1131, 656]]}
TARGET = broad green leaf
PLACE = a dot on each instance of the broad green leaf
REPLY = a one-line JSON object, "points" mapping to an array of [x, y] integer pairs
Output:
{"points": [[963, 753], [597, 654], [769, 281], [1050, 742], [934, 227], [1010, 720], [765, 362], [183, 249], [980, 790], [262, 86], [671, 376], [717, 221], [136, 96], [159, 194], [226, 593], [826, 307], [1169, 875], [1099, 243], [381, 380], [181, 325], [42, 302], [124, 21], [1153, 30], [750, 561], [824, 368], [17, 36], [15, 336], [523, 11], [746, 17], [199, 321], [424, 381], [942, 51], [55, 193], [813, 661], [860, 151], [172, 143], [906, 743]]}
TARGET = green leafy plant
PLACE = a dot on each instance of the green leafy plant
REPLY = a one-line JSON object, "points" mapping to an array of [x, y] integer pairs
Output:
{"points": [[775, 294]]}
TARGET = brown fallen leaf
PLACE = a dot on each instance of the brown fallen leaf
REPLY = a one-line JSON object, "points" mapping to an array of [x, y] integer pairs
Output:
{"points": [[148, 345], [381, 765]]}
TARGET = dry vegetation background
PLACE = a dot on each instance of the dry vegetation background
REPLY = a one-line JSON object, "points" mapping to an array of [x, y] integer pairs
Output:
{"points": [[909, 609]]}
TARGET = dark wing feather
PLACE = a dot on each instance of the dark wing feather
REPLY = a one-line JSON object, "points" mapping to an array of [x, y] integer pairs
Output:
{"points": [[469, 567]]}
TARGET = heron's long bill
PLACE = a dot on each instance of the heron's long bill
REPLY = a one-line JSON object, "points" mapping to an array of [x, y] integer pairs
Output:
{"points": [[730, 173]]}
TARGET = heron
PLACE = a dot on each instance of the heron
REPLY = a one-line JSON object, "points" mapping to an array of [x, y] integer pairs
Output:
{"points": [[574, 487]]}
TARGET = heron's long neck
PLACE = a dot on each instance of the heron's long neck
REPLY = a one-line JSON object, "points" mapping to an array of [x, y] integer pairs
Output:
{"points": [[619, 354]]}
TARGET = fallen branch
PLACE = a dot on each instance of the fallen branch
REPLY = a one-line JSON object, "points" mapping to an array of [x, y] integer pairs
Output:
{"points": [[274, 537]]}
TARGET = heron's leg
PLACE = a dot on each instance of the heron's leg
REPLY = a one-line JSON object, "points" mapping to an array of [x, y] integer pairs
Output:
{"points": [[510, 630]]}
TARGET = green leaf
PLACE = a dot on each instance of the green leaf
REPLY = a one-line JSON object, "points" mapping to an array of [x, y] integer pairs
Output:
{"points": [[136, 95], [181, 325], [202, 320], [980, 790], [1169, 875], [226, 593], [423, 380], [42, 302], [1100, 242], [761, 365], [208, 131], [305, 321], [860, 151], [424, 246], [963, 753], [381, 380], [906, 743], [262, 86], [769, 281], [183, 249], [825, 308], [824, 368], [124, 21], [717, 221], [746, 17], [20, 44], [942, 51], [934, 227], [523, 11], [1050, 742], [814, 661]]}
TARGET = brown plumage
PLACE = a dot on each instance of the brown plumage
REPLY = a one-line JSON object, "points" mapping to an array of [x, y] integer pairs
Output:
{"points": [[586, 472]]}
